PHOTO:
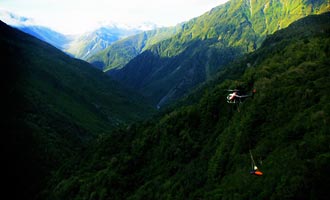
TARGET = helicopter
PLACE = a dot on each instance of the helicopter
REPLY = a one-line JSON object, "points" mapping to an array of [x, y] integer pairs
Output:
{"points": [[238, 96]]}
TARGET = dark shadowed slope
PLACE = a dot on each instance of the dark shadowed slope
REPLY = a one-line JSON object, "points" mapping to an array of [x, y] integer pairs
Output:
{"points": [[52, 105]]}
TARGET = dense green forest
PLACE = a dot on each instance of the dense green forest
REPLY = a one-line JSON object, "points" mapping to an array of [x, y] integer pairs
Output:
{"points": [[171, 67], [52, 106], [199, 149]]}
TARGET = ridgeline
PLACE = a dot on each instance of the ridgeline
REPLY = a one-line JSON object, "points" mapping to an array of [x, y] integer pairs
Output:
{"points": [[165, 65]]}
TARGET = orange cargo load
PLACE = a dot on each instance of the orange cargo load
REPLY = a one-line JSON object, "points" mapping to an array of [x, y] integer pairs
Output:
{"points": [[258, 173]]}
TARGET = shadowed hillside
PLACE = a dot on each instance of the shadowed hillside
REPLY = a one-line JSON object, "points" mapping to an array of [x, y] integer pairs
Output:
{"points": [[53, 105]]}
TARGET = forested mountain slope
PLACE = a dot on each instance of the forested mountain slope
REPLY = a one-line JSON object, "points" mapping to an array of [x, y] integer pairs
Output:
{"points": [[121, 52], [201, 151], [170, 68], [52, 105], [88, 44]]}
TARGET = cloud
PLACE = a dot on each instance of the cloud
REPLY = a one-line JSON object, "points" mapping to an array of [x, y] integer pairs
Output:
{"points": [[80, 15]]}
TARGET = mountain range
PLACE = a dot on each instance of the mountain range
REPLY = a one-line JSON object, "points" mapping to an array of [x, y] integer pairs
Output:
{"points": [[29, 26], [206, 148], [82, 45], [120, 53], [70, 131], [88, 44], [168, 68]]}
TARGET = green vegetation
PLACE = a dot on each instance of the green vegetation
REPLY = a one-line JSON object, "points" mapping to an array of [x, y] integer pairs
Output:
{"points": [[91, 43], [53, 105], [200, 150], [121, 52], [204, 45]]}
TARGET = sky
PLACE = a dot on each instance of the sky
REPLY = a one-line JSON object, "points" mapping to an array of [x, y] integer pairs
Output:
{"points": [[77, 16]]}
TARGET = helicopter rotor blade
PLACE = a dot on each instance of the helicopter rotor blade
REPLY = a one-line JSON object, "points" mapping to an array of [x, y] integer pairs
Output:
{"points": [[230, 90], [244, 96]]}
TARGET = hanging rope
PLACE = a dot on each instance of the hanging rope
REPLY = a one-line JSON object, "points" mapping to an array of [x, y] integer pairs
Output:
{"points": [[254, 166], [255, 169]]}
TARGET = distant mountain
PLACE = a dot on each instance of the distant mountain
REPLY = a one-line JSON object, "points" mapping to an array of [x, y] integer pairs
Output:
{"points": [[121, 52], [88, 44], [53, 105], [168, 69], [48, 35], [203, 150], [28, 26], [81, 46]]}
